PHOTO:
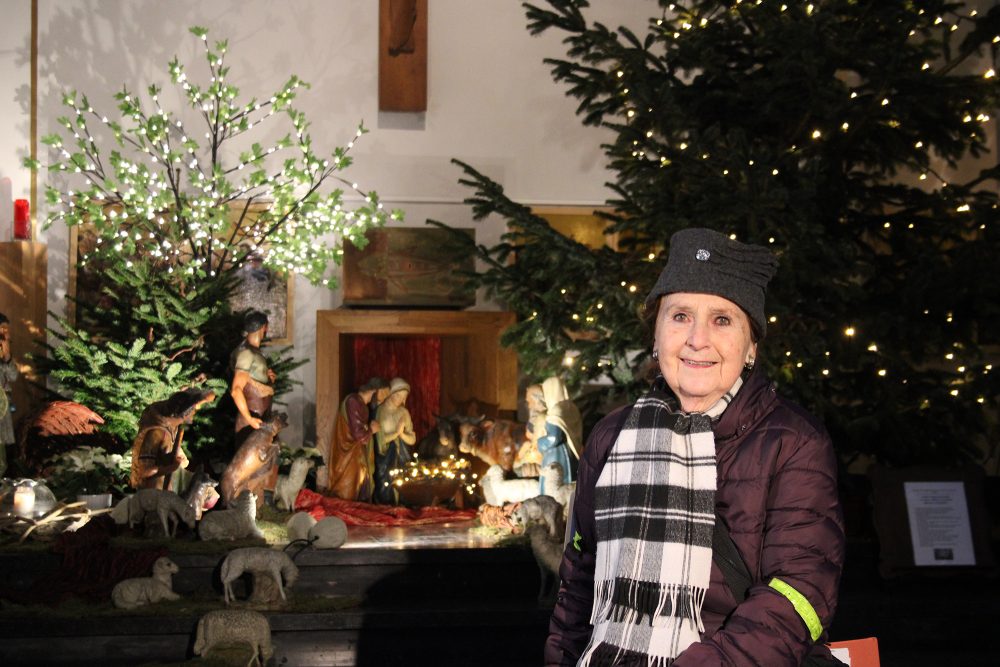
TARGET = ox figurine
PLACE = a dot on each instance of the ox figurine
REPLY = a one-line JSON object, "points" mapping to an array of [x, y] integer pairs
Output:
{"points": [[495, 441]]}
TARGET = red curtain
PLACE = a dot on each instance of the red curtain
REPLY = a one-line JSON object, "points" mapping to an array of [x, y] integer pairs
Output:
{"points": [[416, 359]]}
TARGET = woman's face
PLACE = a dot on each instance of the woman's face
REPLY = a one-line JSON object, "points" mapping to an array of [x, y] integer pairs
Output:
{"points": [[703, 342], [399, 398]]}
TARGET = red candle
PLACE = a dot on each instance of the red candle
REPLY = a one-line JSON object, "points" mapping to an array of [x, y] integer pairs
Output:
{"points": [[22, 220]]}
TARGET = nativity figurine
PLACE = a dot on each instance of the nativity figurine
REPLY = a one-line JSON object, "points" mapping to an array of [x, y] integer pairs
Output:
{"points": [[350, 454], [156, 450], [394, 439]]}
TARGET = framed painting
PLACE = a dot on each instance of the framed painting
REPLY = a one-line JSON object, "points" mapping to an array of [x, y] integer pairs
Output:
{"points": [[265, 290], [580, 223], [408, 267]]}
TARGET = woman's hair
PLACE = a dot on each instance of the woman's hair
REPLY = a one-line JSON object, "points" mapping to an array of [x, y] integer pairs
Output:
{"points": [[4, 319]]}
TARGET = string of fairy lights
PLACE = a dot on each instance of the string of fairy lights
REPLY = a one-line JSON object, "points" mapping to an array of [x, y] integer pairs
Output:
{"points": [[415, 472], [658, 151], [141, 207]]}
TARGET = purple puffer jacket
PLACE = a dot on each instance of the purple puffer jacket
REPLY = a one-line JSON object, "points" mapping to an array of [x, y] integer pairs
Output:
{"points": [[777, 492]]}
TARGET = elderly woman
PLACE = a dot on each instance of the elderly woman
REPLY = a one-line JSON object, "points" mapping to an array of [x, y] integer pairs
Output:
{"points": [[711, 441], [393, 441]]}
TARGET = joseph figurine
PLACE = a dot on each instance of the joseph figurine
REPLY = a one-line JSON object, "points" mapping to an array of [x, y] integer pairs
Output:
{"points": [[349, 456]]}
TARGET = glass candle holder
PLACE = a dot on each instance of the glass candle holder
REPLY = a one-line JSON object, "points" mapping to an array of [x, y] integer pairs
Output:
{"points": [[26, 498]]}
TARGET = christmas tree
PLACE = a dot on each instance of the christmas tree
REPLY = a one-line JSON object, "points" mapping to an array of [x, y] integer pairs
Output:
{"points": [[178, 203], [831, 132]]}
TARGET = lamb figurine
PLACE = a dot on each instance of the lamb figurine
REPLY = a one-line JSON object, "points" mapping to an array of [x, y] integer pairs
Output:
{"points": [[259, 561], [289, 485], [541, 518], [545, 510], [236, 523], [167, 505], [132, 593], [231, 627], [556, 487], [499, 491], [201, 494]]}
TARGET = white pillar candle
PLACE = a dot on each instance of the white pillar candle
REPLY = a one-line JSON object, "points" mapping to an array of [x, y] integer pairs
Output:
{"points": [[24, 501]]}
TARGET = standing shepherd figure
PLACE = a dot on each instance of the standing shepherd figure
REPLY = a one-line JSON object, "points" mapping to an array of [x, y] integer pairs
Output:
{"points": [[252, 387]]}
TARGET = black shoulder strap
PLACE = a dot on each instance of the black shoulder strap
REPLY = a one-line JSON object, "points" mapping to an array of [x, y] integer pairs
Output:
{"points": [[727, 557]]}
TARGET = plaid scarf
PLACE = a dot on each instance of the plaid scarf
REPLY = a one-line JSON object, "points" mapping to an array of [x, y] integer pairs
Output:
{"points": [[654, 508]]}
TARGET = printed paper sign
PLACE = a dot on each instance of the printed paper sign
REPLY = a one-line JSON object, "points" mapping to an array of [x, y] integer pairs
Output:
{"points": [[939, 523]]}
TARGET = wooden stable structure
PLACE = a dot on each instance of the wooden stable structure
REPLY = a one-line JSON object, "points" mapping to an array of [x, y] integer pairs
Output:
{"points": [[23, 294], [473, 363]]}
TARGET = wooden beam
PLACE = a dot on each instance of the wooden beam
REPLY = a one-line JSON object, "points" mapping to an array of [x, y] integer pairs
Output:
{"points": [[402, 55]]}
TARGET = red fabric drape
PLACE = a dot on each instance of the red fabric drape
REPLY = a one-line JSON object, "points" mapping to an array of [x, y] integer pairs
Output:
{"points": [[365, 514], [416, 359]]}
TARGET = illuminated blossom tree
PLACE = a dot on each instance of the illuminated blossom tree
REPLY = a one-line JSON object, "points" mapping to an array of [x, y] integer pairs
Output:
{"points": [[178, 202]]}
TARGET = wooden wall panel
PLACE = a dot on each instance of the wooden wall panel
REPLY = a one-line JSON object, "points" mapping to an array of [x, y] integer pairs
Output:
{"points": [[402, 55], [23, 294]]}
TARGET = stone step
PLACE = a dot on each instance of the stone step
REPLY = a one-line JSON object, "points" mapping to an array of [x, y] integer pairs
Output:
{"points": [[437, 633], [425, 606]]}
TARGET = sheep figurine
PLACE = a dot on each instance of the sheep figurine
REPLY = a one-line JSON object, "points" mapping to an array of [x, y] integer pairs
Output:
{"points": [[289, 485], [555, 486], [132, 593], [119, 513], [259, 561], [234, 627], [236, 523], [167, 505], [545, 510], [499, 491], [541, 518]]}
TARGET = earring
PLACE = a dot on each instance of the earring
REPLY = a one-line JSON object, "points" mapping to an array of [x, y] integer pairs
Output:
{"points": [[749, 364], [656, 355]]}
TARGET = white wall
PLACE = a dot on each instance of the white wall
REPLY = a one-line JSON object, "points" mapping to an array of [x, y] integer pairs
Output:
{"points": [[491, 102], [15, 106]]}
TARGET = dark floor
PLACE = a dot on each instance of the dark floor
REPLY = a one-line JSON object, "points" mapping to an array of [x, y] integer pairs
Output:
{"points": [[935, 620]]}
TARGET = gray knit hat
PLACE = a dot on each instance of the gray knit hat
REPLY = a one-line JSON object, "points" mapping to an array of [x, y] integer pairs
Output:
{"points": [[707, 262]]}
